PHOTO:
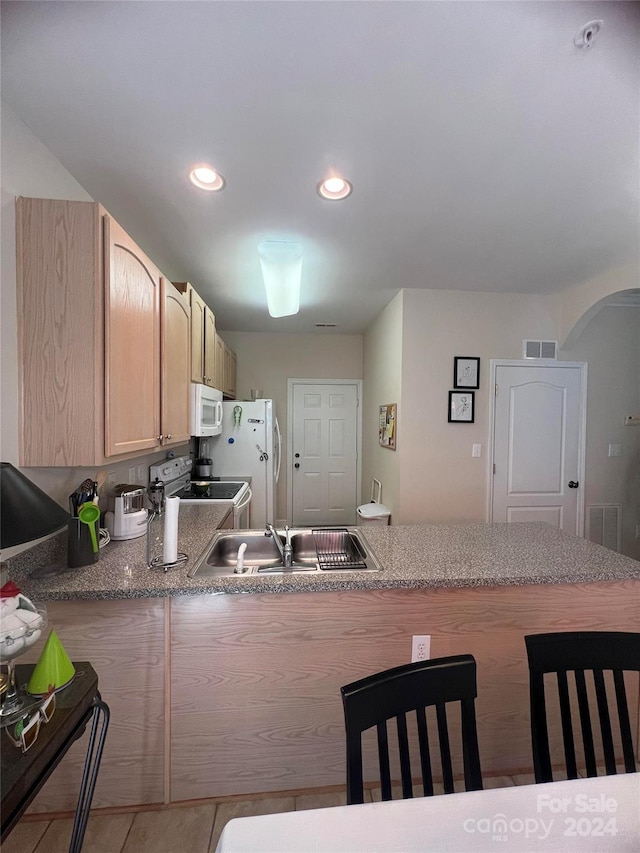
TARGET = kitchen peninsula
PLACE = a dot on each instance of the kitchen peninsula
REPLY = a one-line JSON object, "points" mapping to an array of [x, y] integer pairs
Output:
{"points": [[232, 686]]}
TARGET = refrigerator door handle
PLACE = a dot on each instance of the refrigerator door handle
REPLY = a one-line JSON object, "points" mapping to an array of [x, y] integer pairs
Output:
{"points": [[279, 446]]}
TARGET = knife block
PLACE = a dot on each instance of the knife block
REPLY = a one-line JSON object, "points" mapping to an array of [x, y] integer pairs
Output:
{"points": [[79, 549]]}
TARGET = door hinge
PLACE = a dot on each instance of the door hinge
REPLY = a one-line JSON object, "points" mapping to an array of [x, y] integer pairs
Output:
{"points": [[495, 390], [494, 467]]}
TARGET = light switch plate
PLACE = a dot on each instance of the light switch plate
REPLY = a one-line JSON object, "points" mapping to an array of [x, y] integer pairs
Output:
{"points": [[615, 450], [476, 450]]}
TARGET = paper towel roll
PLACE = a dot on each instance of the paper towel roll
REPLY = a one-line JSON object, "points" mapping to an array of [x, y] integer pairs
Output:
{"points": [[170, 544]]}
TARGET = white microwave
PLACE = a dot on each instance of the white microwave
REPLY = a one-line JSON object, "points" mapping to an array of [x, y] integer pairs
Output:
{"points": [[206, 410]]}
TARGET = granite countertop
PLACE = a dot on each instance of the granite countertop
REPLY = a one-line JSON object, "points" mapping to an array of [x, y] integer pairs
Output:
{"points": [[413, 557]]}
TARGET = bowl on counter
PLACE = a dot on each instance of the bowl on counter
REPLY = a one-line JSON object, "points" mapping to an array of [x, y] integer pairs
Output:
{"points": [[200, 487]]}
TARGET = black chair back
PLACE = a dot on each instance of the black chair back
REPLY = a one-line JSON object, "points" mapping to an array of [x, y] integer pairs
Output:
{"points": [[395, 693], [582, 652]]}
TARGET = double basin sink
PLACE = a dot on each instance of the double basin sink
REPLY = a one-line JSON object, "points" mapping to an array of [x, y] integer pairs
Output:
{"points": [[312, 550]]}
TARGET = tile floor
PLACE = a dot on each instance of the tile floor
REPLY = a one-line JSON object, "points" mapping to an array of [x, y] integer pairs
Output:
{"points": [[167, 830]]}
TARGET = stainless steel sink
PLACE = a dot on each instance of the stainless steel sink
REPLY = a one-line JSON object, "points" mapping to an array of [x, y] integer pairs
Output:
{"points": [[313, 550]]}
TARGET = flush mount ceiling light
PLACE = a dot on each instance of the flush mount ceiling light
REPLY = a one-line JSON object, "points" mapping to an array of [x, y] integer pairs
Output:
{"points": [[334, 188], [206, 178], [281, 264]]}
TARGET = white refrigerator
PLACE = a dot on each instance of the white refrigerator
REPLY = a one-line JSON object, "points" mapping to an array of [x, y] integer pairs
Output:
{"points": [[250, 445]]}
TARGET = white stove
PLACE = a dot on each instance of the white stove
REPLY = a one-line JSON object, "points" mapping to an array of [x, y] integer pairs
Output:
{"points": [[176, 476]]}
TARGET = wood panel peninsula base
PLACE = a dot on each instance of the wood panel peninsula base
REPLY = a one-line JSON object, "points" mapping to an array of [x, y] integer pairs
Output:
{"points": [[218, 695]]}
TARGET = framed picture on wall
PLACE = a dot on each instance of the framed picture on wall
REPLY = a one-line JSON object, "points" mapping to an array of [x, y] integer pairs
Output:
{"points": [[387, 425], [461, 405], [466, 372]]}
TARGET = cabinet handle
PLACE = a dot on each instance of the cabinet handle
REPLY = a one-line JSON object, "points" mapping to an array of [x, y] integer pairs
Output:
{"points": [[160, 437], [169, 436]]}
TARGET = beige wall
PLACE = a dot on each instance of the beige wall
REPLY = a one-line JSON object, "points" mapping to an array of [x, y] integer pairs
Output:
{"points": [[610, 344], [383, 385], [440, 481], [267, 360], [432, 476], [578, 304]]}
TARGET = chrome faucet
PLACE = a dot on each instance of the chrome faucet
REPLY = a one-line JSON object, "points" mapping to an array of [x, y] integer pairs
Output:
{"points": [[286, 551]]}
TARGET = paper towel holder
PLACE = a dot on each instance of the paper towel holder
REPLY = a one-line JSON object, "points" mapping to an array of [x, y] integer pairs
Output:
{"points": [[158, 562]]}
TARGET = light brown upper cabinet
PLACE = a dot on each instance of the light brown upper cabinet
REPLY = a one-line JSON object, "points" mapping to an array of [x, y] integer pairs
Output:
{"points": [[132, 345], [175, 364], [197, 333], [209, 347], [203, 337], [89, 338], [219, 374]]}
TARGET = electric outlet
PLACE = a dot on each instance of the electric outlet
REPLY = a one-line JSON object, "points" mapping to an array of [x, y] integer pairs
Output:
{"points": [[132, 475], [112, 478], [420, 647], [140, 474]]}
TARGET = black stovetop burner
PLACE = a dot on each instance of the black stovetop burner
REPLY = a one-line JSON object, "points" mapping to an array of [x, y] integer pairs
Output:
{"points": [[216, 490]]}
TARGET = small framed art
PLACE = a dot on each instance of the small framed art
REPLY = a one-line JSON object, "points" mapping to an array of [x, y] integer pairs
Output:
{"points": [[466, 372], [387, 425], [461, 404]]}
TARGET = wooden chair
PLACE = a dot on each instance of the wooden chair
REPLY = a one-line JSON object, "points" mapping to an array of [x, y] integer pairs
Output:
{"points": [[394, 693], [581, 652]]}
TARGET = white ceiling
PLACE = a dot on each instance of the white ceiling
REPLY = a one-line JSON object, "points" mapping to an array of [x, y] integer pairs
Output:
{"points": [[487, 152]]}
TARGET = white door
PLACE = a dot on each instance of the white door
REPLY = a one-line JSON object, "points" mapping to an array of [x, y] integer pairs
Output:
{"points": [[538, 450], [324, 453]]}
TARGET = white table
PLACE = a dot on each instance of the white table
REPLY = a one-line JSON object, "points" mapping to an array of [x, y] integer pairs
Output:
{"points": [[601, 814]]}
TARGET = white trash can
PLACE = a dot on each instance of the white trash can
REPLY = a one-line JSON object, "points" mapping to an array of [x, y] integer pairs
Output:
{"points": [[373, 513]]}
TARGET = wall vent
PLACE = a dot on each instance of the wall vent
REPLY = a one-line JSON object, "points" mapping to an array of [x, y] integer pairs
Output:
{"points": [[604, 525], [539, 349]]}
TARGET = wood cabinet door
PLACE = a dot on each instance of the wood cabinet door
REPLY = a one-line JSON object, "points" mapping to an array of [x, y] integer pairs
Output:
{"points": [[219, 363], [132, 345], [176, 365], [198, 309], [209, 347], [60, 332]]}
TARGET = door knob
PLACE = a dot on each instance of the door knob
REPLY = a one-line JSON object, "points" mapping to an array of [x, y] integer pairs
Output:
{"points": [[573, 484], [297, 455], [296, 465]]}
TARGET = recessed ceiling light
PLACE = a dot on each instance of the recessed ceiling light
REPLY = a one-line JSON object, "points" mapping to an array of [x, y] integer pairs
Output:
{"points": [[334, 188], [206, 178]]}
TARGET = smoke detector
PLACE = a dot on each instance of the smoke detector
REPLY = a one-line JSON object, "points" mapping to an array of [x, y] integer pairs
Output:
{"points": [[588, 34]]}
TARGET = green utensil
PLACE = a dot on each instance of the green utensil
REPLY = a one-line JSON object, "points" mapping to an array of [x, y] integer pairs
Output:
{"points": [[88, 514]]}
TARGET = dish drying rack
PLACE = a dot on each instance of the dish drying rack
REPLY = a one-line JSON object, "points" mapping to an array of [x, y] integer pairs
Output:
{"points": [[337, 549]]}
